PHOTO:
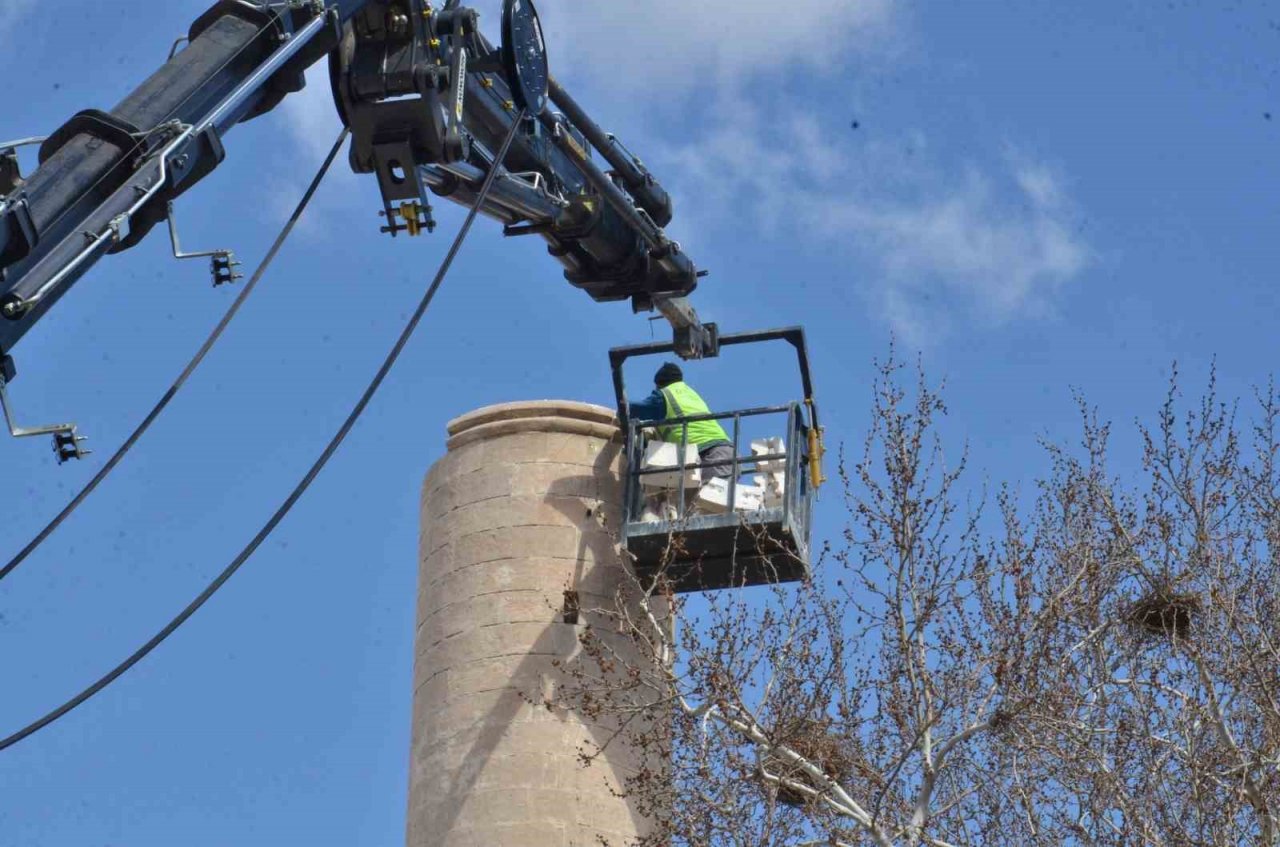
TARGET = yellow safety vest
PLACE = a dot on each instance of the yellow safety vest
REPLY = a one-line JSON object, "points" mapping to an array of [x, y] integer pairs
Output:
{"points": [[683, 401]]}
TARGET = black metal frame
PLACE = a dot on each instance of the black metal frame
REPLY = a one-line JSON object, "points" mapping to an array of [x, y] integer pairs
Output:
{"points": [[793, 335], [734, 549]]}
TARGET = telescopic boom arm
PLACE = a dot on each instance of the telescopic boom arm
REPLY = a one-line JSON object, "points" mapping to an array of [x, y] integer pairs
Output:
{"points": [[427, 98]]}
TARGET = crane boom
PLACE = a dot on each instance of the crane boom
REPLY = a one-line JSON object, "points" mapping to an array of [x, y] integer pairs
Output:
{"points": [[427, 100]]}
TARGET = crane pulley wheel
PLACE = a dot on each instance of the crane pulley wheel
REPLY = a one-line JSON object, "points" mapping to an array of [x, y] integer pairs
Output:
{"points": [[524, 56]]}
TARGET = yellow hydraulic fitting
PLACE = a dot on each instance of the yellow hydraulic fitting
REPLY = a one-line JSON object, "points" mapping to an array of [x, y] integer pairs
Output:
{"points": [[485, 82], [817, 449], [816, 452], [435, 43], [411, 213], [577, 148]]}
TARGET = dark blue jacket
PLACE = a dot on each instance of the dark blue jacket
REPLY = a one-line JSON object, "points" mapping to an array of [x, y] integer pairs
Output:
{"points": [[651, 408]]}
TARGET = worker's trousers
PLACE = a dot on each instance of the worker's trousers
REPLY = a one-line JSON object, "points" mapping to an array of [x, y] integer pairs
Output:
{"points": [[717, 453]]}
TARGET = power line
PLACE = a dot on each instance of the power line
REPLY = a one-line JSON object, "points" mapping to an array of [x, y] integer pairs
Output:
{"points": [[306, 481], [126, 160], [195, 362]]}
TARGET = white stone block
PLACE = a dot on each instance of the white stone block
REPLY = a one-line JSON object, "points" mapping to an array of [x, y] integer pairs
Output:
{"points": [[658, 508], [665, 454], [713, 498], [749, 499], [770, 446], [773, 487]]}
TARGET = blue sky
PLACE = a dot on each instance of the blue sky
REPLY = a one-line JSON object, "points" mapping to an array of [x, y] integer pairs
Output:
{"points": [[1035, 196]]}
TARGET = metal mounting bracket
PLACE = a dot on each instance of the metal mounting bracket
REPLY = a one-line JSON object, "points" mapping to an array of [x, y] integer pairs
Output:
{"points": [[222, 263], [401, 180], [416, 216], [66, 442], [10, 171], [457, 146]]}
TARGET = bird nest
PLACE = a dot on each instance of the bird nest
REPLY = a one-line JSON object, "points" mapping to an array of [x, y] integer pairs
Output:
{"points": [[1165, 613], [1003, 722], [814, 741]]}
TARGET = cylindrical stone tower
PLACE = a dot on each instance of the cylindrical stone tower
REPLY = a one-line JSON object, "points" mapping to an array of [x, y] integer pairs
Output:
{"points": [[515, 515]]}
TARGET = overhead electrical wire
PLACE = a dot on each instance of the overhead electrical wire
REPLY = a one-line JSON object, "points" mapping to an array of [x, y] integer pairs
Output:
{"points": [[124, 449], [191, 367], [301, 488]]}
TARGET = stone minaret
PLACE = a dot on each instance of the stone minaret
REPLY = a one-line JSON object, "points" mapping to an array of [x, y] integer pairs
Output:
{"points": [[515, 514]]}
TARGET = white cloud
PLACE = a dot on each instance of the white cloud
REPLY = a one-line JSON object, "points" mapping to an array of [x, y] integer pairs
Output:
{"points": [[985, 246], [664, 50], [312, 119], [1040, 185], [312, 116], [11, 12], [996, 257]]}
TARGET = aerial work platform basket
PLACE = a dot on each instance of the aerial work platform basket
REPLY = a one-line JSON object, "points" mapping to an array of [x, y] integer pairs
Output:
{"points": [[728, 534]]}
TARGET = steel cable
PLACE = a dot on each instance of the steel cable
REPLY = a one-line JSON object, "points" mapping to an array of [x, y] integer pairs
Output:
{"points": [[195, 362], [306, 481]]}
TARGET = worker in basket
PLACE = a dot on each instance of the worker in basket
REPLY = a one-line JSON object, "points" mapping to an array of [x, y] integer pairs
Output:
{"points": [[673, 398]]}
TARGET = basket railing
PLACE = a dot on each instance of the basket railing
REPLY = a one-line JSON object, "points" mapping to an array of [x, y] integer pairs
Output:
{"points": [[795, 441]]}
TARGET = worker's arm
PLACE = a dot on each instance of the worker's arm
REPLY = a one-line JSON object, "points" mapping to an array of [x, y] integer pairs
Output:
{"points": [[651, 408]]}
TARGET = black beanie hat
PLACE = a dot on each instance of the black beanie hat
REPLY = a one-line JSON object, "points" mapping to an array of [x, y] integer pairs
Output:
{"points": [[668, 374]]}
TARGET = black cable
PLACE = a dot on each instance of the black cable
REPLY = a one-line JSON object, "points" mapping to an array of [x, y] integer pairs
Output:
{"points": [[302, 486], [186, 372]]}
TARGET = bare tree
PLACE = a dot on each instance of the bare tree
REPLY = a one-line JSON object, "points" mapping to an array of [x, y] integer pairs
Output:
{"points": [[1077, 663], [1175, 730]]}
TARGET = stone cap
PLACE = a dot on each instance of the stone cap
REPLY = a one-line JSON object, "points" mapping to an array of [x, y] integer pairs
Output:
{"points": [[565, 416]]}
